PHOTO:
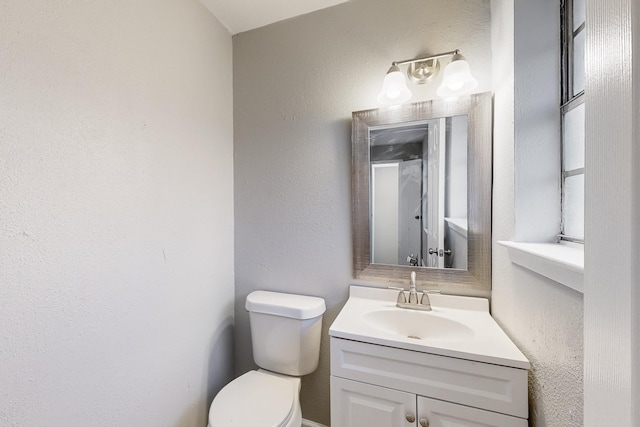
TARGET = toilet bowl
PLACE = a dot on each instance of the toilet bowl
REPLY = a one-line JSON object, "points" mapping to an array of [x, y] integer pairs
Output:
{"points": [[258, 398], [285, 337]]}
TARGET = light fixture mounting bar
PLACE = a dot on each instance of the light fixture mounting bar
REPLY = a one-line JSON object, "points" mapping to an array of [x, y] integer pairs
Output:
{"points": [[426, 58]]}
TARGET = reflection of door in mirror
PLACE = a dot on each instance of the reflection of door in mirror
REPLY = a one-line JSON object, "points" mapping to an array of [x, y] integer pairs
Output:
{"points": [[455, 201], [410, 193], [433, 204]]}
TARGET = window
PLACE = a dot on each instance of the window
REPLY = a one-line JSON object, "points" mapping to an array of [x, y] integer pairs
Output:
{"points": [[573, 113], [549, 36]]}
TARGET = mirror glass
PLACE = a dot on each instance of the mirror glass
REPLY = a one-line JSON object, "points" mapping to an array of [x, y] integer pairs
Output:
{"points": [[422, 192], [418, 192]]}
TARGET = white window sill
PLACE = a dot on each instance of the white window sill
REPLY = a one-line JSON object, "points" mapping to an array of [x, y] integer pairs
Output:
{"points": [[563, 263]]}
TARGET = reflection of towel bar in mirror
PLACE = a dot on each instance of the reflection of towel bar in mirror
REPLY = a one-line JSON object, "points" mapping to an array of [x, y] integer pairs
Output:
{"points": [[386, 150]]}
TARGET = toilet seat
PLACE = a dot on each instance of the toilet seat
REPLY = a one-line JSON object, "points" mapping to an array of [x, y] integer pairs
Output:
{"points": [[257, 398]]}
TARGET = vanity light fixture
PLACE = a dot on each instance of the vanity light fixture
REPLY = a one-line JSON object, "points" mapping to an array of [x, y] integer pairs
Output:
{"points": [[457, 78]]}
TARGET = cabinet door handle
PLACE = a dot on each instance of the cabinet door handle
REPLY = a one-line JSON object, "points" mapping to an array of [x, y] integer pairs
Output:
{"points": [[424, 422], [411, 418]]}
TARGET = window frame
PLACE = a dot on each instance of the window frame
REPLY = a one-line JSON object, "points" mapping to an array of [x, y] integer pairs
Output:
{"points": [[568, 102]]}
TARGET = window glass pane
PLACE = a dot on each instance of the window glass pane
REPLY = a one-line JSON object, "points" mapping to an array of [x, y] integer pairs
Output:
{"points": [[579, 14], [578, 63], [573, 138], [573, 209]]}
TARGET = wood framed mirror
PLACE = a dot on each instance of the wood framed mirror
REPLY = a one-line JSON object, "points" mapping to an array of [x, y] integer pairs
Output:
{"points": [[414, 208]]}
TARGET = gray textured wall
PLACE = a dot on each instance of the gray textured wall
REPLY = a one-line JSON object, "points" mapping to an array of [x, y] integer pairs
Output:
{"points": [[295, 85], [116, 219]]}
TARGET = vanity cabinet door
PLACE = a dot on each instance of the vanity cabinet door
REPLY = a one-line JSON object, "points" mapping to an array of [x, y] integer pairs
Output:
{"points": [[356, 404], [438, 413]]}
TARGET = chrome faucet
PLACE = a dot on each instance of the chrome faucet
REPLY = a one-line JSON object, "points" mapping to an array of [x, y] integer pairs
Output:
{"points": [[412, 304], [413, 294]]}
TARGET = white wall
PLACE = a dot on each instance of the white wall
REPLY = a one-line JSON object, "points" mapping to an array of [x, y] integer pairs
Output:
{"points": [[296, 83], [544, 318], [116, 212]]}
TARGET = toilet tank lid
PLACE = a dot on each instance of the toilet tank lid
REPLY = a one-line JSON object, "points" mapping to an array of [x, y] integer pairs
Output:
{"points": [[286, 305]]}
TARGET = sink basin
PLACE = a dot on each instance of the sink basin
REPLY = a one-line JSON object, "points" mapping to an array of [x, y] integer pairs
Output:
{"points": [[417, 324], [459, 327]]}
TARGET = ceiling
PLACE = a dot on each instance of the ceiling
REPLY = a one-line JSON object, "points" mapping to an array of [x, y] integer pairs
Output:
{"points": [[244, 15]]}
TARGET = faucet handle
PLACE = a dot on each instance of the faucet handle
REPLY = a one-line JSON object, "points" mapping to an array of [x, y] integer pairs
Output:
{"points": [[401, 298], [425, 301], [425, 296]]}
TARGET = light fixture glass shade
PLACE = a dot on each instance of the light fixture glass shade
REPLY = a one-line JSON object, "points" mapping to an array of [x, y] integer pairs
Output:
{"points": [[457, 78], [394, 88]]}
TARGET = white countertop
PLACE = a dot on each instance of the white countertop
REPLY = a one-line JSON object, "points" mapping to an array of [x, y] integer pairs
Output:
{"points": [[483, 341]]}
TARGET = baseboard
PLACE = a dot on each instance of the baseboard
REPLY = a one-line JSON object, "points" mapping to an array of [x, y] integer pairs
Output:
{"points": [[307, 423]]}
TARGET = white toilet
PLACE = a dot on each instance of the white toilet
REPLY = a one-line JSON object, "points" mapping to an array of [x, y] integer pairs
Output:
{"points": [[285, 334]]}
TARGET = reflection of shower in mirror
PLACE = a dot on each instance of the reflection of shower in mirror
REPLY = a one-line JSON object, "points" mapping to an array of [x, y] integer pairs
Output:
{"points": [[418, 190]]}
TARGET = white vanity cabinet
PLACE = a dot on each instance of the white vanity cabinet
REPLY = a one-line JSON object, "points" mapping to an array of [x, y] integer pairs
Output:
{"points": [[452, 366], [357, 404], [379, 386], [437, 413]]}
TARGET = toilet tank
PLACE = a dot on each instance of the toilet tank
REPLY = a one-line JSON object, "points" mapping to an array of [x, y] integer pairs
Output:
{"points": [[285, 331]]}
